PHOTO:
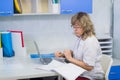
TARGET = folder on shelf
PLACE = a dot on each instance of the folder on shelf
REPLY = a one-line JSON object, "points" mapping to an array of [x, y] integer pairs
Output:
{"points": [[26, 6], [17, 6], [43, 6]]}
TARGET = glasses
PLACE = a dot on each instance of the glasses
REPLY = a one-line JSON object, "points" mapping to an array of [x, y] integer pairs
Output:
{"points": [[76, 26]]}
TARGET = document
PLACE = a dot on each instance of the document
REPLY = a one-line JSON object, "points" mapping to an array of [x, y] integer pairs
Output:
{"points": [[68, 70]]}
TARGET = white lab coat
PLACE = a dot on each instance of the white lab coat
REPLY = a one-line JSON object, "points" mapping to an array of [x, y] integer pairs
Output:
{"points": [[89, 51]]}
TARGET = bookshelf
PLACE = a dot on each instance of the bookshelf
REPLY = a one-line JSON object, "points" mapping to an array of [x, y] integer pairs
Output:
{"points": [[40, 7], [29, 7], [46, 7]]}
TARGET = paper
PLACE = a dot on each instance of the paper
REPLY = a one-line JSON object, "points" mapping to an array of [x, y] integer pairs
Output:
{"points": [[68, 70], [51, 66]]}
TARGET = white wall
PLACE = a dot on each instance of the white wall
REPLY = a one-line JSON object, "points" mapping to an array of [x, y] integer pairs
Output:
{"points": [[116, 33], [102, 16], [54, 31]]}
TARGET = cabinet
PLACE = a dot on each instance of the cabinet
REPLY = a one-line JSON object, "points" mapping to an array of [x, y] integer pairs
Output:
{"points": [[55, 6], [6, 7], [74, 6], [33, 7]]}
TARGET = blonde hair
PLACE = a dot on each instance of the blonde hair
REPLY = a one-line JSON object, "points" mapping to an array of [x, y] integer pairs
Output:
{"points": [[86, 24]]}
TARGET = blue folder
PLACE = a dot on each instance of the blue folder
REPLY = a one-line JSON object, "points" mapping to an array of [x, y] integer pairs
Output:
{"points": [[6, 40], [42, 55]]}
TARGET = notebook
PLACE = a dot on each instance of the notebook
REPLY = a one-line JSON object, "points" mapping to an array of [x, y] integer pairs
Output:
{"points": [[68, 70]]}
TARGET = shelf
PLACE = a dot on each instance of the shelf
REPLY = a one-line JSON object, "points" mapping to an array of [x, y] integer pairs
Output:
{"points": [[38, 7], [107, 42], [25, 14], [106, 45]]}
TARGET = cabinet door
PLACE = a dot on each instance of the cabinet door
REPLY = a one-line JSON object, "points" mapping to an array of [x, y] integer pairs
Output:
{"points": [[6, 7], [74, 6]]}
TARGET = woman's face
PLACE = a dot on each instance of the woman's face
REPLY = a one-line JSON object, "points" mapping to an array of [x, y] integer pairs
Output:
{"points": [[78, 30]]}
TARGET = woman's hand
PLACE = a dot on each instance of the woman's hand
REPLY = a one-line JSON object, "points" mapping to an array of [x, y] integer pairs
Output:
{"points": [[59, 54], [68, 54]]}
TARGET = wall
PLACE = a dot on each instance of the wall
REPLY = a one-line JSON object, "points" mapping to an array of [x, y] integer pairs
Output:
{"points": [[53, 32], [116, 28]]}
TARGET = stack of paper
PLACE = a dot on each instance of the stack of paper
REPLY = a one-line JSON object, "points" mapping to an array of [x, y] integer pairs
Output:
{"points": [[68, 70]]}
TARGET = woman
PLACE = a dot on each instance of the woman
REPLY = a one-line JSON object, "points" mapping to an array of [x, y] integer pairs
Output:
{"points": [[86, 51]]}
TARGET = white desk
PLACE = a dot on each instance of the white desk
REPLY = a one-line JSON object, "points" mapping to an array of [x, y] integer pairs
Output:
{"points": [[16, 68]]}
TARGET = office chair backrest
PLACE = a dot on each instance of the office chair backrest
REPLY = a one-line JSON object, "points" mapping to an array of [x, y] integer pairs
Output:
{"points": [[106, 62]]}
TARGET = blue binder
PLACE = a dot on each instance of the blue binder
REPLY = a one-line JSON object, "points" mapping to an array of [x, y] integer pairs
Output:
{"points": [[7, 44]]}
